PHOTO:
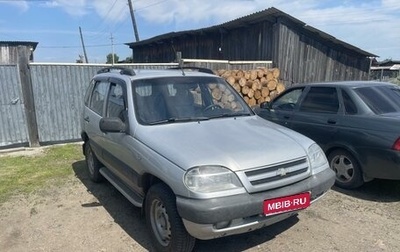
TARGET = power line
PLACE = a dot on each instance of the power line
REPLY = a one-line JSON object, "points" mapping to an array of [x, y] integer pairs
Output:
{"points": [[77, 46]]}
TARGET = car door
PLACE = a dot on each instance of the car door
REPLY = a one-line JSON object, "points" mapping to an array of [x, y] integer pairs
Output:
{"points": [[119, 147], [93, 112], [282, 108], [317, 115]]}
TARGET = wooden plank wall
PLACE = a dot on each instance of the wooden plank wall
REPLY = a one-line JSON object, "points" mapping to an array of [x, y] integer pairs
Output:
{"points": [[300, 55]]}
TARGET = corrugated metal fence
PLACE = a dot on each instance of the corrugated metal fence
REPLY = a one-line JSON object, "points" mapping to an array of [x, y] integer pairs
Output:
{"points": [[12, 114], [58, 91]]}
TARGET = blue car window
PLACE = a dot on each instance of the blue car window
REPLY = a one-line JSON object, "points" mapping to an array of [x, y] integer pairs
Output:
{"points": [[321, 100], [382, 99], [98, 97], [349, 105], [288, 101]]}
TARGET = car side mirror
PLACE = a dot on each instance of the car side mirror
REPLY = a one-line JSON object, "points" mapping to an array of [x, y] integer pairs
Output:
{"points": [[112, 124], [265, 105]]}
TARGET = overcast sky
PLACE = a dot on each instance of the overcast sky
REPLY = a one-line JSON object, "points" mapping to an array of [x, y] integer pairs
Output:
{"points": [[372, 25]]}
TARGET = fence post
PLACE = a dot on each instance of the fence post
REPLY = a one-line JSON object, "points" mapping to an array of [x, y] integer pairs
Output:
{"points": [[27, 94]]}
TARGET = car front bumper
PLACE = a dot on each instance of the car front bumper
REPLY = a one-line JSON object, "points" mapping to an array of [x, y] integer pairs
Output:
{"points": [[212, 218]]}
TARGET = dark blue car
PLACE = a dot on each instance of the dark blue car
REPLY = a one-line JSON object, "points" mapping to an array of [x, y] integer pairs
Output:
{"points": [[357, 124]]}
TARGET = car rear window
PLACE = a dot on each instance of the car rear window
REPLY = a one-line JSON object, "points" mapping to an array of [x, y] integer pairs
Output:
{"points": [[381, 99]]}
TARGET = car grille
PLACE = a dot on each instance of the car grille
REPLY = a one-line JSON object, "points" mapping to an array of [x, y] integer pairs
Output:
{"points": [[273, 176]]}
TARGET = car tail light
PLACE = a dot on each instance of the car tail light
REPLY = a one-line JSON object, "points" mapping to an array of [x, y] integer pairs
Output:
{"points": [[396, 145]]}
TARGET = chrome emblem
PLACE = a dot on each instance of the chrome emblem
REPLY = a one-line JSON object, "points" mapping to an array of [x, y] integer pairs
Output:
{"points": [[281, 172]]}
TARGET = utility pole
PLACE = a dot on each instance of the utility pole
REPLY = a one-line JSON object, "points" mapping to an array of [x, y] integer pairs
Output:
{"points": [[83, 45], [112, 47], [133, 20]]}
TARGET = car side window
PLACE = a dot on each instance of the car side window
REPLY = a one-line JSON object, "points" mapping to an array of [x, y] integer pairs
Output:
{"points": [[321, 100], [116, 101], [349, 105], [88, 92], [98, 97], [288, 101]]}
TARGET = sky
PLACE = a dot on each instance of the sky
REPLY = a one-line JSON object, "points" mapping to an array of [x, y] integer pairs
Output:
{"points": [[106, 25]]}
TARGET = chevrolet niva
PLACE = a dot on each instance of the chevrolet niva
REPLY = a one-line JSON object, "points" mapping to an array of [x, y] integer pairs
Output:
{"points": [[186, 148]]}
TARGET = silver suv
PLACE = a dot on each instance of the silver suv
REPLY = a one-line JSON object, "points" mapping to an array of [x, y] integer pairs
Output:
{"points": [[185, 147]]}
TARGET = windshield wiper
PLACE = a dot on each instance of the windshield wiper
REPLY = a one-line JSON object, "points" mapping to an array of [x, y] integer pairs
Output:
{"points": [[183, 119], [231, 115]]}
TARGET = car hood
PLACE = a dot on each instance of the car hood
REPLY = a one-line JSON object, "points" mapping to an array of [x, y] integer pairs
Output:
{"points": [[238, 143], [392, 115]]}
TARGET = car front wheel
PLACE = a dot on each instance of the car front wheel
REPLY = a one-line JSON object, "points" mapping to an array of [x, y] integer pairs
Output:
{"points": [[348, 172], [166, 228]]}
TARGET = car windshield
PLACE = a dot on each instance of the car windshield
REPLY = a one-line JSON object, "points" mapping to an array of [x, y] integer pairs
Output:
{"points": [[182, 99], [381, 99]]}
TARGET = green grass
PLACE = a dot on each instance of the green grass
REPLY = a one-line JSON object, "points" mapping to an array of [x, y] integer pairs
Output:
{"points": [[27, 174]]}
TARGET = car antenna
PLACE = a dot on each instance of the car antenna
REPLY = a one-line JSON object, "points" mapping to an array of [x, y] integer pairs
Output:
{"points": [[178, 59], [180, 62]]}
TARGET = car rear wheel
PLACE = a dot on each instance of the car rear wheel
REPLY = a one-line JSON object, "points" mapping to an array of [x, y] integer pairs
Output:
{"points": [[348, 172], [166, 228], [93, 164]]}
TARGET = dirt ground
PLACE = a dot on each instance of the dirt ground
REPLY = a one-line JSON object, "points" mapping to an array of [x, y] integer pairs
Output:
{"points": [[83, 216]]}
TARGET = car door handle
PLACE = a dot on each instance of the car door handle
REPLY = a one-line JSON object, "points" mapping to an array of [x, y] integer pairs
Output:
{"points": [[331, 121], [286, 117], [86, 118]]}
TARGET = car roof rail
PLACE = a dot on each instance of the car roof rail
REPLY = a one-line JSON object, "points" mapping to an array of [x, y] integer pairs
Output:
{"points": [[194, 69], [121, 70]]}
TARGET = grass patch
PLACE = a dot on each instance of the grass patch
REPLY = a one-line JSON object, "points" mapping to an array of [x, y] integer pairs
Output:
{"points": [[26, 174]]}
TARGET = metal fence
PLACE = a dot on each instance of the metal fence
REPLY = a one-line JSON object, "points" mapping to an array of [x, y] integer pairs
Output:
{"points": [[12, 114], [57, 91]]}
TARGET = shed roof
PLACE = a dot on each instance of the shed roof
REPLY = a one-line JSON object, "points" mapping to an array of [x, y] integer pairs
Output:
{"points": [[270, 14], [17, 43]]}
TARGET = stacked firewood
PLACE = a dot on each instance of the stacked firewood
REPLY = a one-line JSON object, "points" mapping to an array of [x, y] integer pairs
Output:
{"points": [[256, 86]]}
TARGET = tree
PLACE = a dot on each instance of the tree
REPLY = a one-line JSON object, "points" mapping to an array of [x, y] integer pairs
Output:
{"points": [[110, 58], [129, 59]]}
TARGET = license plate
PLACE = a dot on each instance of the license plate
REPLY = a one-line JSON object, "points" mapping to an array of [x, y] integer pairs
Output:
{"points": [[287, 204]]}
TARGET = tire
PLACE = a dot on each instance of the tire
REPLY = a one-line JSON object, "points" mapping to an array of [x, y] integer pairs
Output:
{"points": [[93, 164], [164, 223], [347, 169]]}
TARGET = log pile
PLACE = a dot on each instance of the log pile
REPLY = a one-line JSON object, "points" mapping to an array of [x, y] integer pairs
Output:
{"points": [[256, 86]]}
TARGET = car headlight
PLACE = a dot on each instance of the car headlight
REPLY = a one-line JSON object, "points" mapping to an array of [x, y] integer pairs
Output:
{"points": [[317, 158], [211, 179]]}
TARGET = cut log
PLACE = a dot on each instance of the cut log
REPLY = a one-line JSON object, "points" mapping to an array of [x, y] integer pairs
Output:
{"points": [[273, 94], [246, 75], [242, 81], [260, 73], [264, 91], [220, 72], [252, 102], [237, 87], [255, 86], [231, 80], [269, 76], [222, 88], [239, 74], [245, 90], [257, 94], [275, 73], [250, 94], [216, 94], [280, 87], [261, 100], [212, 85], [253, 74], [272, 85]]}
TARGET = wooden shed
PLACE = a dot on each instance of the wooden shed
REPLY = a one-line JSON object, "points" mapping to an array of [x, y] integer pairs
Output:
{"points": [[9, 51], [301, 52]]}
